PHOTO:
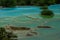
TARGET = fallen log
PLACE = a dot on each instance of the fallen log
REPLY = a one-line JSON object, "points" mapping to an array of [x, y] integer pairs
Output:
{"points": [[43, 27]]}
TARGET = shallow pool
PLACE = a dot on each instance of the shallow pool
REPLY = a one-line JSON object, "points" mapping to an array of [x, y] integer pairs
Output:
{"points": [[18, 17]]}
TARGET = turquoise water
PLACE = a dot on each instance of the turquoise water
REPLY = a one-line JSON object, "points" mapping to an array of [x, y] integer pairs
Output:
{"points": [[26, 10], [18, 17]]}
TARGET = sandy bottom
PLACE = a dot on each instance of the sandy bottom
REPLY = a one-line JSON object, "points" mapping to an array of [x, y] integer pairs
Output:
{"points": [[33, 21]]}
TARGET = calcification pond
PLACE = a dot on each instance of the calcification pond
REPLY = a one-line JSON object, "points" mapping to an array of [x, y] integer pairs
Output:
{"points": [[29, 16]]}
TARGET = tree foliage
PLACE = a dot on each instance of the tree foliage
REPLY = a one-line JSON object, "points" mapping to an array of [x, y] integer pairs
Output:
{"points": [[8, 3], [12, 3]]}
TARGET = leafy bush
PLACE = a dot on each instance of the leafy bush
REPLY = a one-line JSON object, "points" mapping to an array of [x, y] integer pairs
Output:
{"points": [[47, 14]]}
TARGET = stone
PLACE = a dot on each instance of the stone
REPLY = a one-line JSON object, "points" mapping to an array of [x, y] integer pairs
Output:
{"points": [[29, 34]]}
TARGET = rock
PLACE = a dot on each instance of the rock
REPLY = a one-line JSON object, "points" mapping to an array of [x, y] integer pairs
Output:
{"points": [[43, 27], [29, 34], [34, 33]]}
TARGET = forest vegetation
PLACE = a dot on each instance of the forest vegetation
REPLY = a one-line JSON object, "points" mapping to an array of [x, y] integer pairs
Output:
{"points": [[13, 3]]}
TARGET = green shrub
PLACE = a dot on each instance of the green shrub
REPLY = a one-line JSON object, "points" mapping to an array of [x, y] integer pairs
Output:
{"points": [[47, 14]]}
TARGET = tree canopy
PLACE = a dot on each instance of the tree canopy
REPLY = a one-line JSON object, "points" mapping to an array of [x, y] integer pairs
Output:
{"points": [[12, 3]]}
